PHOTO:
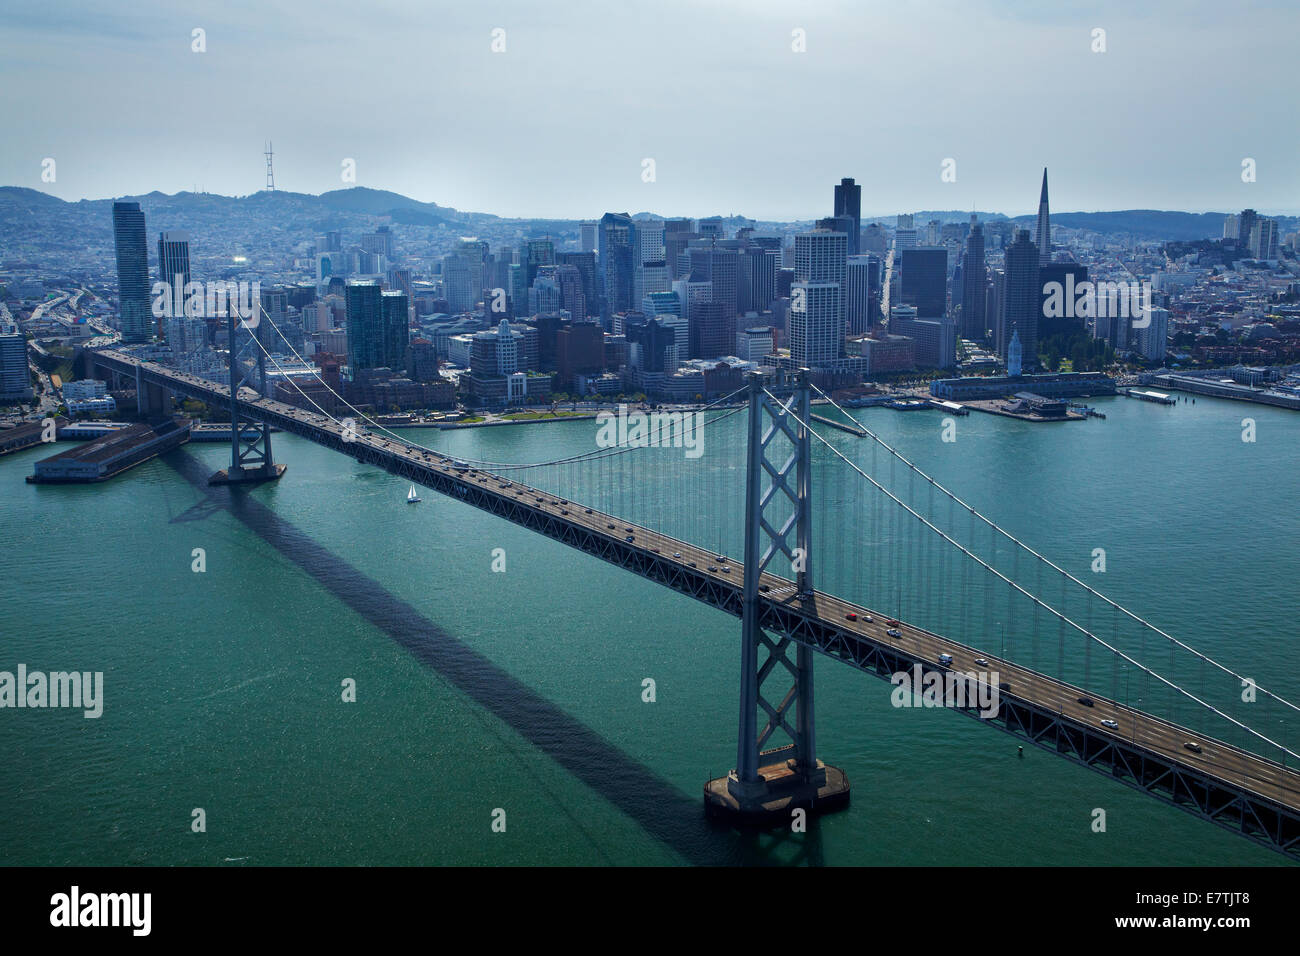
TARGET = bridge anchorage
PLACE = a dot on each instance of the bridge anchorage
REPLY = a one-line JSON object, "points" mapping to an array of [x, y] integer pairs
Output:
{"points": [[250, 439], [767, 785]]}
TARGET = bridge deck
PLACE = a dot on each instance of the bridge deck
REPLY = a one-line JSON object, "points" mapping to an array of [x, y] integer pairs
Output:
{"points": [[821, 620]]}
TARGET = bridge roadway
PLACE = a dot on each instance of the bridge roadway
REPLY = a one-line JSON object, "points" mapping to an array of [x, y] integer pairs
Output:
{"points": [[1222, 783]]}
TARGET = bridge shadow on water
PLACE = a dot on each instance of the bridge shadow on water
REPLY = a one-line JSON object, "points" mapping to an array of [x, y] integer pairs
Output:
{"points": [[660, 808]]}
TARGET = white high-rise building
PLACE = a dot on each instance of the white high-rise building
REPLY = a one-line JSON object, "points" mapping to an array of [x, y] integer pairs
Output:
{"points": [[691, 294], [1152, 341], [1263, 239], [650, 277], [680, 350], [817, 297], [816, 323], [905, 233]]}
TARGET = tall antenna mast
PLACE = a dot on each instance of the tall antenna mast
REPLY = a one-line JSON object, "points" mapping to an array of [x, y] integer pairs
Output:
{"points": [[270, 173]]}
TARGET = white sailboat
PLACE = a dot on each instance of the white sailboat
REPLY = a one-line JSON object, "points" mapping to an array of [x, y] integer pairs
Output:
{"points": [[411, 497]]}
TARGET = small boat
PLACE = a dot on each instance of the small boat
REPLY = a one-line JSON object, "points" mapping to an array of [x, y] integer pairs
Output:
{"points": [[411, 497]]}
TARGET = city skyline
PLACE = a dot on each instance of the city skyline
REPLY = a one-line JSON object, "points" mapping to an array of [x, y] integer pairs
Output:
{"points": [[470, 139]]}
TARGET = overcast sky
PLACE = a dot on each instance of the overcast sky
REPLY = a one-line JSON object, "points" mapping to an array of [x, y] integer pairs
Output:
{"points": [[736, 121]]}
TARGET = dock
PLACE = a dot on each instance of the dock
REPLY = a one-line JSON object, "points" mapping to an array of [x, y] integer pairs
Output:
{"points": [[27, 434], [851, 429], [1146, 395], [101, 459]]}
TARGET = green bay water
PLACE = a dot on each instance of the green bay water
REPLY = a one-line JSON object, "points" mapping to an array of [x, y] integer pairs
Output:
{"points": [[223, 688]]}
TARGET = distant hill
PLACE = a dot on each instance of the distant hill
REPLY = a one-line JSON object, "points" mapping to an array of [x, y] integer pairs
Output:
{"points": [[378, 202], [345, 208], [1141, 223], [20, 197]]}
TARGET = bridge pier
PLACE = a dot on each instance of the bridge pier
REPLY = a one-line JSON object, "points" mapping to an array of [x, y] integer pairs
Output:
{"points": [[767, 785], [154, 402], [250, 440]]}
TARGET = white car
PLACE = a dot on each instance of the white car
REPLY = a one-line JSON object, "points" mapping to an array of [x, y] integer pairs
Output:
{"points": [[1111, 724]]}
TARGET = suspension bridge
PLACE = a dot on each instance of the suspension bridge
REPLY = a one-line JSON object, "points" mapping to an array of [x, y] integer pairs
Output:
{"points": [[910, 580]]}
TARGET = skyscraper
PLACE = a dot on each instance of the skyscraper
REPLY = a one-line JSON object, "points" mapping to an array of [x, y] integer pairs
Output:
{"points": [[1070, 276], [585, 263], [721, 267], [569, 279], [862, 293], [1022, 299], [462, 275], [924, 274], [174, 258], [15, 380], [905, 232], [1246, 226], [132, 272], [617, 262], [1263, 238], [540, 252], [816, 323], [974, 279], [1043, 238], [173, 269], [378, 327], [759, 276], [848, 202]]}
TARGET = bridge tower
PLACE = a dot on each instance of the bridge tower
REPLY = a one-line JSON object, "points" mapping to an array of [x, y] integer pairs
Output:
{"points": [[767, 785], [250, 440]]}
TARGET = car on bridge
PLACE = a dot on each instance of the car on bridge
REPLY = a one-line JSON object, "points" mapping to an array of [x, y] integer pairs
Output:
{"points": [[1111, 724]]}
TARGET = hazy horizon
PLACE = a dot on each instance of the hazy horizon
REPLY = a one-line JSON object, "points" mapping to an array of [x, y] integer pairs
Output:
{"points": [[866, 217]]}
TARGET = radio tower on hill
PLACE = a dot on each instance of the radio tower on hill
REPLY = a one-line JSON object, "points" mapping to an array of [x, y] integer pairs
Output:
{"points": [[270, 173]]}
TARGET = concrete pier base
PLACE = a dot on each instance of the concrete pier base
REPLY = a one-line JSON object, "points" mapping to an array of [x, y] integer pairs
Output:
{"points": [[248, 476], [769, 801]]}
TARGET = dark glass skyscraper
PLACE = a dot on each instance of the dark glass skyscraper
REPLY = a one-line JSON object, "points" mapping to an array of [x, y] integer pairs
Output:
{"points": [[924, 274], [1022, 298], [1069, 275], [848, 202], [862, 293], [378, 327], [585, 263], [132, 272], [974, 279], [615, 238]]}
